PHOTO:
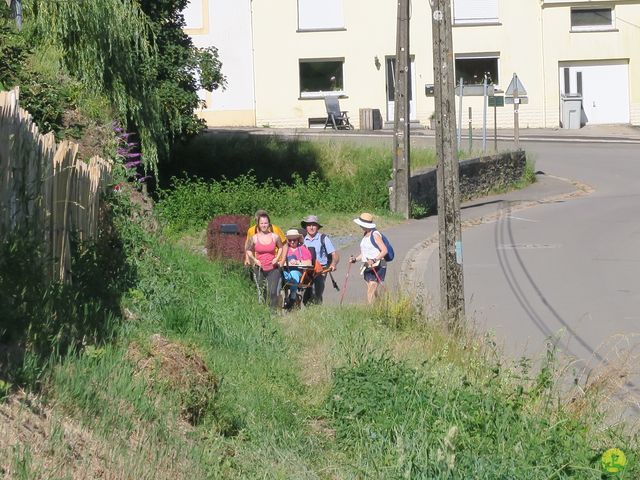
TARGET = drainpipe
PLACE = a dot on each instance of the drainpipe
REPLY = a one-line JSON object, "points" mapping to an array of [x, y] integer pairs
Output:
{"points": [[253, 66], [544, 76]]}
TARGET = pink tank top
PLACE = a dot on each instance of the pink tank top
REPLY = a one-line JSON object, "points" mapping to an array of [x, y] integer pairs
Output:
{"points": [[265, 254]]}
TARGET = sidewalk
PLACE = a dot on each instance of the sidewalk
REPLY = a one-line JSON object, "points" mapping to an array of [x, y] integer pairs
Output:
{"points": [[589, 133], [415, 240]]}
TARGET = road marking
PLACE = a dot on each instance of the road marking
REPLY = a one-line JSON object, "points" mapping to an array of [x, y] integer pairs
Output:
{"points": [[520, 218], [528, 246]]}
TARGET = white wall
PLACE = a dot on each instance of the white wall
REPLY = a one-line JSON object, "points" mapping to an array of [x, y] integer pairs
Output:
{"points": [[226, 25]]}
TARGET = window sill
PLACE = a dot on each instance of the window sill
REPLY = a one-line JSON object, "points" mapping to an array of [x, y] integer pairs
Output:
{"points": [[593, 30], [313, 30], [321, 95], [488, 23]]}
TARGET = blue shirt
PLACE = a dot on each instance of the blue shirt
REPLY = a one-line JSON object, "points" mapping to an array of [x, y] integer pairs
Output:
{"points": [[316, 243]]}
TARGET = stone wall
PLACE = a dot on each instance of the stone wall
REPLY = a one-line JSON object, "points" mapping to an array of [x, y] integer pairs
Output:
{"points": [[478, 176]]}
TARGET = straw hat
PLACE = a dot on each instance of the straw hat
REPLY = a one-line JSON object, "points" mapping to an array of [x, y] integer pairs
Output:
{"points": [[293, 233], [365, 220], [310, 219]]}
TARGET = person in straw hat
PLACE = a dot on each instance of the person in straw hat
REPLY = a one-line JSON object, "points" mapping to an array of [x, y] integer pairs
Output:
{"points": [[326, 254], [297, 255], [371, 256]]}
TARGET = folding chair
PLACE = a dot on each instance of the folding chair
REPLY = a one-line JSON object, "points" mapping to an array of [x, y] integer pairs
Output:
{"points": [[337, 118]]}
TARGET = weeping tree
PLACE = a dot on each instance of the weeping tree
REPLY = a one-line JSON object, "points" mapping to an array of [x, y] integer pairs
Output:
{"points": [[179, 68], [135, 53]]}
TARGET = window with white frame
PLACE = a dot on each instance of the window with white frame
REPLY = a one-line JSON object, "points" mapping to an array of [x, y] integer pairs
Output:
{"points": [[194, 15], [590, 19], [319, 77], [473, 67], [320, 15], [469, 12]]}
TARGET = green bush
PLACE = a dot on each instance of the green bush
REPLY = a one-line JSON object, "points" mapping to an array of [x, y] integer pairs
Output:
{"points": [[345, 178]]}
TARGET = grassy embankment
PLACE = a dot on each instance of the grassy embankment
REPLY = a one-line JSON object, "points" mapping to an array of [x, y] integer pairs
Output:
{"points": [[324, 393], [198, 381]]}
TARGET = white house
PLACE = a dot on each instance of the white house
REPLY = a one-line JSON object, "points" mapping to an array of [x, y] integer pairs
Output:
{"points": [[282, 56]]}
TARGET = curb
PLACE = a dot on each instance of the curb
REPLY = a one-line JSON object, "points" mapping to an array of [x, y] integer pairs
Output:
{"points": [[413, 268]]}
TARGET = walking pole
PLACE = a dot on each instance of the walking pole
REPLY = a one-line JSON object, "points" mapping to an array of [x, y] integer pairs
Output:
{"points": [[378, 277], [333, 281], [255, 278], [344, 287]]}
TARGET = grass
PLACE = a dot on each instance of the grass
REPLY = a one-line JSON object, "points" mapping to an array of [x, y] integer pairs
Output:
{"points": [[197, 380], [352, 392], [287, 178]]}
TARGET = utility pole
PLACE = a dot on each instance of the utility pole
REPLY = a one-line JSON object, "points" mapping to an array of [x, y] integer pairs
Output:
{"points": [[16, 11], [401, 170], [451, 276]]}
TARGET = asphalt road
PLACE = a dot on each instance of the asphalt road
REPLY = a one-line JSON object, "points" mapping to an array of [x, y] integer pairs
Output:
{"points": [[566, 271]]}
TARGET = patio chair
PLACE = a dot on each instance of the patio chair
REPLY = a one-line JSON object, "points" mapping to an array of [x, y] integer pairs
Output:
{"points": [[336, 118]]}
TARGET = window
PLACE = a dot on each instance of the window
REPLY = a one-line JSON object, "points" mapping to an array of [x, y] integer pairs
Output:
{"points": [[469, 12], [589, 19], [319, 77], [194, 15], [320, 15], [472, 69]]}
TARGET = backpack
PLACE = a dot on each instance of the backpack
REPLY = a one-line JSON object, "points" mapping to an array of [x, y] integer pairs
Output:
{"points": [[323, 249], [390, 253], [317, 266]]}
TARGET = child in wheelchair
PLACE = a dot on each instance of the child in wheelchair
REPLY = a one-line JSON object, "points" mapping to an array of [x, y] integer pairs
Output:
{"points": [[297, 271]]}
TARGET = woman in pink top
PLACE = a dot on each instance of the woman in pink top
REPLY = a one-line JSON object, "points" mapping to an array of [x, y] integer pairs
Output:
{"points": [[266, 251]]}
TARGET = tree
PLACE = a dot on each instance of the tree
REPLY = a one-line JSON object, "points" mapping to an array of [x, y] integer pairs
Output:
{"points": [[135, 53], [180, 69]]}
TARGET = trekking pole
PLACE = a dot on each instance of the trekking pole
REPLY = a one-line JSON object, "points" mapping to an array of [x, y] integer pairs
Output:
{"points": [[378, 277], [256, 269], [344, 287], [333, 281]]}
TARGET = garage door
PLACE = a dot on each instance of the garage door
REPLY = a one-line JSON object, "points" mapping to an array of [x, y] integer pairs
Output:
{"points": [[604, 87]]}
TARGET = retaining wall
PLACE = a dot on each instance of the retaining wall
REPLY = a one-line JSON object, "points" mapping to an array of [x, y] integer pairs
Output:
{"points": [[478, 176]]}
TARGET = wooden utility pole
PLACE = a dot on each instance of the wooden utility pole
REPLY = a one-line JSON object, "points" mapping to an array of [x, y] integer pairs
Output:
{"points": [[451, 276], [16, 11], [401, 170]]}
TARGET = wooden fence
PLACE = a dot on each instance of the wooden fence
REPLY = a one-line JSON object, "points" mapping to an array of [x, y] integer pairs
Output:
{"points": [[46, 192]]}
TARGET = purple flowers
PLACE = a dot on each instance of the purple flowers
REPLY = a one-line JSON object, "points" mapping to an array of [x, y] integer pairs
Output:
{"points": [[129, 153]]}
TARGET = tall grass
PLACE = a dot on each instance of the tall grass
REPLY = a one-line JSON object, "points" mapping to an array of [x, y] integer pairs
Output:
{"points": [[327, 392], [238, 175]]}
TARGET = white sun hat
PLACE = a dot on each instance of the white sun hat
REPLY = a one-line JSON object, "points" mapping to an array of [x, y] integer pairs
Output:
{"points": [[365, 220]]}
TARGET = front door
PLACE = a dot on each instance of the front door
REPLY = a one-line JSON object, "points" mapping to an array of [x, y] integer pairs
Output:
{"points": [[604, 87], [391, 90]]}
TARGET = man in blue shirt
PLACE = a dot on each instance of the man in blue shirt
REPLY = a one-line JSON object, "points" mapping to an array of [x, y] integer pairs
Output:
{"points": [[326, 254]]}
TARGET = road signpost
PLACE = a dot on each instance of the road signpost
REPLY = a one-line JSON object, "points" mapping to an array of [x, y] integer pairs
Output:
{"points": [[495, 101], [516, 94]]}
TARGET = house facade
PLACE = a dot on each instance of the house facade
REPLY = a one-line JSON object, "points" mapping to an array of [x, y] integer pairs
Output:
{"points": [[281, 57]]}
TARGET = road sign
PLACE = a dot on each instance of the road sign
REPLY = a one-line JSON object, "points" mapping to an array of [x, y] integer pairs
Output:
{"points": [[516, 88], [520, 100], [474, 90], [496, 101]]}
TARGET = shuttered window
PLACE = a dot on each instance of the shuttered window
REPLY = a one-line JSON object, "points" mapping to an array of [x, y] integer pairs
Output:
{"points": [[320, 14], [475, 11]]}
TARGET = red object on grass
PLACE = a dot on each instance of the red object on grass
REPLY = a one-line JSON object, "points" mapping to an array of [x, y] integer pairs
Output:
{"points": [[226, 235]]}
